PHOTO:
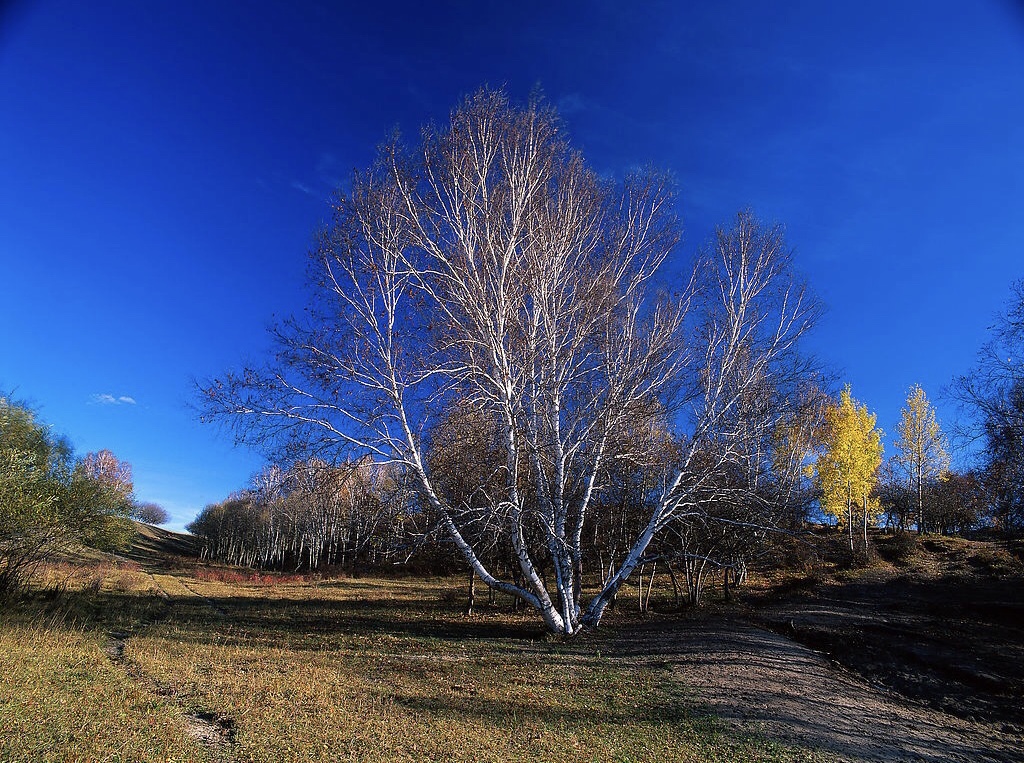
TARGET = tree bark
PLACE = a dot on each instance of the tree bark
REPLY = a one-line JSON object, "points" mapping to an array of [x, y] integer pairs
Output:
{"points": [[865, 525], [675, 587], [849, 519], [471, 597]]}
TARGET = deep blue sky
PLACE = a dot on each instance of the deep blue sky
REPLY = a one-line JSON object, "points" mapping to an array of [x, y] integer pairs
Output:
{"points": [[164, 165]]}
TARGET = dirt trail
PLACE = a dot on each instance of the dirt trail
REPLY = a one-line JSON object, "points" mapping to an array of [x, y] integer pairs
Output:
{"points": [[215, 732], [762, 682]]}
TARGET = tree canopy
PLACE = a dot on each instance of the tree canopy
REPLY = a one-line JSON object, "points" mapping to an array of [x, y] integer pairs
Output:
{"points": [[489, 269], [49, 499], [847, 466]]}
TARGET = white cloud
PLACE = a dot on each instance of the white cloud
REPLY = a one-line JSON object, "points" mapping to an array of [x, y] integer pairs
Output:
{"points": [[304, 188], [108, 399]]}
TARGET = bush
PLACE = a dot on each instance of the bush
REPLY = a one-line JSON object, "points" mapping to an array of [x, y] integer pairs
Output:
{"points": [[899, 549], [48, 499]]}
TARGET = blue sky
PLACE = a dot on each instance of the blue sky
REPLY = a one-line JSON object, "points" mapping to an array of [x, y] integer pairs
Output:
{"points": [[163, 167]]}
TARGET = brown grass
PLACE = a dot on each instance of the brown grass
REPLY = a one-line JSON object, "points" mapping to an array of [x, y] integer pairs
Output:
{"points": [[315, 670]]}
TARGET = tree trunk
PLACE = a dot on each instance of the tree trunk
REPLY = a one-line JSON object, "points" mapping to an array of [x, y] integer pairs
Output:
{"points": [[740, 570], [650, 586], [640, 588], [865, 525], [849, 520], [471, 597], [920, 502], [517, 578], [675, 587]]}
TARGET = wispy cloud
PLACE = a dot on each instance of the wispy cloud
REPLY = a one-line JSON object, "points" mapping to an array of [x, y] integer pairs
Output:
{"points": [[108, 399], [326, 176], [571, 103], [329, 169]]}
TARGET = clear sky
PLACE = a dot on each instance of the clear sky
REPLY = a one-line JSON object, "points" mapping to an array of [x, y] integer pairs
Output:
{"points": [[163, 166]]}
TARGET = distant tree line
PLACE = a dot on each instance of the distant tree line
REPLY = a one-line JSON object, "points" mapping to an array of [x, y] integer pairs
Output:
{"points": [[311, 515]]}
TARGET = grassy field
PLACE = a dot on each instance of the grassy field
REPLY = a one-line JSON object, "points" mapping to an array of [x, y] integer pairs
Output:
{"points": [[129, 663]]}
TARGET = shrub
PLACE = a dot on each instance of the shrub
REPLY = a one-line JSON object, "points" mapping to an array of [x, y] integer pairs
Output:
{"points": [[899, 549]]}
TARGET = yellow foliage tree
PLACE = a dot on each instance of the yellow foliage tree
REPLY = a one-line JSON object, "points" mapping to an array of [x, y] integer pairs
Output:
{"points": [[847, 467], [921, 450]]}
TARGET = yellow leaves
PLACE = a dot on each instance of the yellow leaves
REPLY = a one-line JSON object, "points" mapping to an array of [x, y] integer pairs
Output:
{"points": [[921, 451], [848, 463], [921, 448]]}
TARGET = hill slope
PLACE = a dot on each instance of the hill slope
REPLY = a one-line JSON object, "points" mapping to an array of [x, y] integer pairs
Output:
{"points": [[155, 545]]}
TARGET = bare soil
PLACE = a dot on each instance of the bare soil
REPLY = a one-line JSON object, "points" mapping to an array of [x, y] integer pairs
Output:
{"points": [[919, 662]]}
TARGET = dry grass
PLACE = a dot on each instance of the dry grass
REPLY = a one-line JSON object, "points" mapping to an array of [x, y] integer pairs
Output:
{"points": [[352, 670], [63, 700], [241, 576]]}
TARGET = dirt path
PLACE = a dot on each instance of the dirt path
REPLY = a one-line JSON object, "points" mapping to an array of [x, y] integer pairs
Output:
{"points": [[760, 681], [215, 732]]}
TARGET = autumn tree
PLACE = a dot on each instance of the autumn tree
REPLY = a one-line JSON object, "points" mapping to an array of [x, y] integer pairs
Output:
{"points": [[103, 486], [489, 266], [113, 474], [848, 463], [922, 448], [48, 499]]}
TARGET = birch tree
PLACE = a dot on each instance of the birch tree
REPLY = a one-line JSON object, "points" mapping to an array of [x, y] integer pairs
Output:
{"points": [[922, 449], [311, 515], [490, 267], [847, 467]]}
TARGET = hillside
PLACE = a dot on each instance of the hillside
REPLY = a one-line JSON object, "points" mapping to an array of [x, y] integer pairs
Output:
{"points": [[157, 546], [938, 620]]}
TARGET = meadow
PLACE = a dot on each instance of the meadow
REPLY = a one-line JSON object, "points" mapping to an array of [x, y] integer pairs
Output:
{"points": [[121, 661]]}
